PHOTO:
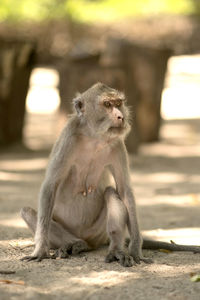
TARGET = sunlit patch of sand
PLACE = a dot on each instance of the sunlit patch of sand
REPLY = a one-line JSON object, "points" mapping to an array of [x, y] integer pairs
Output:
{"points": [[180, 99], [185, 236]]}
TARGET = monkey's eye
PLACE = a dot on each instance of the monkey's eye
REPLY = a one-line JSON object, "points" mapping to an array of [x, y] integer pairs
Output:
{"points": [[118, 103], [107, 104]]}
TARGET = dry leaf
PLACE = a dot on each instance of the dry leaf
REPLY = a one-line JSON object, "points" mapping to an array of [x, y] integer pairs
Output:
{"points": [[192, 274], [172, 242], [7, 281], [165, 251]]}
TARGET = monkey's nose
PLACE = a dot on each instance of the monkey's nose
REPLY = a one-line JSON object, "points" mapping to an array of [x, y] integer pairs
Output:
{"points": [[120, 118]]}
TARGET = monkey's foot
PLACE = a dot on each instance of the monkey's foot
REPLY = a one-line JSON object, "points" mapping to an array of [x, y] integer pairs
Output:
{"points": [[135, 252], [138, 259], [124, 259], [71, 248]]}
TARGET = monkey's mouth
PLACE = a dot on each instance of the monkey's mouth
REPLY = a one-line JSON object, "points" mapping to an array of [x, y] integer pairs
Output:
{"points": [[120, 129], [117, 128]]}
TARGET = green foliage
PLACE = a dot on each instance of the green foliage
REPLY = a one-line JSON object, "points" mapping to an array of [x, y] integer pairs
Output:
{"points": [[195, 278], [108, 10], [91, 10], [17, 10]]}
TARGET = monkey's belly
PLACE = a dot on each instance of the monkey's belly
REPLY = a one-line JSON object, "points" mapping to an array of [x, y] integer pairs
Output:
{"points": [[79, 214]]}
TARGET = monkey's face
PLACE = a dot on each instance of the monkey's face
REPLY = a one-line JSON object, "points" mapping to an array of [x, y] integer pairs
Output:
{"points": [[105, 112], [109, 114]]}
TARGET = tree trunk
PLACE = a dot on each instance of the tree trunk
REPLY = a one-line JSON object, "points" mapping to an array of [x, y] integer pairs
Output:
{"points": [[16, 58]]}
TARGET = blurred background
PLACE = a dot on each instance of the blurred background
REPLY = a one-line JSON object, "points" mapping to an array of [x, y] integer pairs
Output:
{"points": [[150, 49], [51, 49]]}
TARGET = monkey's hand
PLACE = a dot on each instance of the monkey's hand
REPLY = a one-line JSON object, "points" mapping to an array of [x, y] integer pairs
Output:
{"points": [[40, 252], [136, 252]]}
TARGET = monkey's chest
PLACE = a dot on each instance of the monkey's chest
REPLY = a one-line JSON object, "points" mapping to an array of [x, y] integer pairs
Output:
{"points": [[88, 167], [85, 177]]}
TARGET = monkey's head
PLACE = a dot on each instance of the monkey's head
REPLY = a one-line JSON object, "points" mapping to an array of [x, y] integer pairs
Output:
{"points": [[104, 111]]}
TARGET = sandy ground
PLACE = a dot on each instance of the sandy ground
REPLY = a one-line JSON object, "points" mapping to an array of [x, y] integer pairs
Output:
{"points": [[165, 178]]}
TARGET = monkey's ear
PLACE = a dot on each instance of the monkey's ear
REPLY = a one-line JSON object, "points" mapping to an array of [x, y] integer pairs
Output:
{"points": [[78, 105]]}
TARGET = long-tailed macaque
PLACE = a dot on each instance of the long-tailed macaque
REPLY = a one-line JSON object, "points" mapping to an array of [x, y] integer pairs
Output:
{"points": [[80, 208]]}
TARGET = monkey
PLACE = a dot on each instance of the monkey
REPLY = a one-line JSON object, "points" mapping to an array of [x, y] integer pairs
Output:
{"points": [[86, 198]]}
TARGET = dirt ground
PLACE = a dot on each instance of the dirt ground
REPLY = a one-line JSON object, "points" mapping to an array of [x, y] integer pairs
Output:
{"points": [[165, 177]]}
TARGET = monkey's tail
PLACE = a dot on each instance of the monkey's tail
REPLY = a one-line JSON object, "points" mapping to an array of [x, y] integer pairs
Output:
{"points": [[157, 245]]}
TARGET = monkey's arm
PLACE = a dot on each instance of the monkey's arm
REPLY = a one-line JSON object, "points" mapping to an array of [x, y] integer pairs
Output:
{"points": [[58, 168], [122, 178]]}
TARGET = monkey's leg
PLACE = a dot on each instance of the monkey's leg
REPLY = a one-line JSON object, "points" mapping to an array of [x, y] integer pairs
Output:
{"points": [[116, 225], [59, 238]]}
